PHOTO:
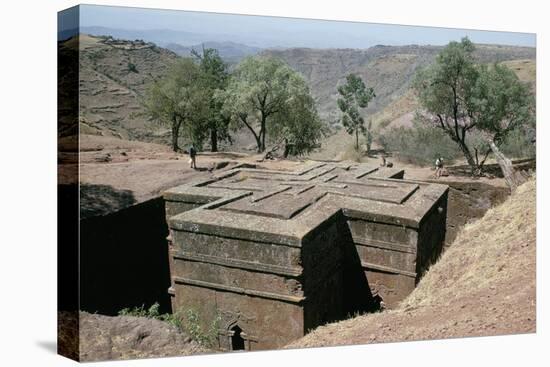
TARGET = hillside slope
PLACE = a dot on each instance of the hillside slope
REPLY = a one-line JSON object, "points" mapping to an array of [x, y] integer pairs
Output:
{"points": [[401, 111], [110, 89], [231, 52], [484, 284], [387, 69], [114, 75]]}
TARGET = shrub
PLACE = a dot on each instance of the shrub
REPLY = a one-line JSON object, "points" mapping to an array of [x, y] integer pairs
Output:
{"points": [[422, 144], [419, 145], [152, 313], [352, 154], [193, 327], [140, 311], [518, 145], [132, 68]]}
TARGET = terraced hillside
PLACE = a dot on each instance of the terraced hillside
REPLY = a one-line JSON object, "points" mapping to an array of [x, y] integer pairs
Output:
{"points": [[113, 78]]}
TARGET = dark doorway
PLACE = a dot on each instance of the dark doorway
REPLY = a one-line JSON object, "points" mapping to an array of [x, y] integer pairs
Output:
{"points": [[237, 341]]}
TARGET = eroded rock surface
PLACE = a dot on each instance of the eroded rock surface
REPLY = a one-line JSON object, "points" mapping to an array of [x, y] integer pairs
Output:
{"points": [[128, 337]]}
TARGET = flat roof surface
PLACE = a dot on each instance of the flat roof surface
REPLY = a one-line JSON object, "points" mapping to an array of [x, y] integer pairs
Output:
{"points": [[264, 204]]}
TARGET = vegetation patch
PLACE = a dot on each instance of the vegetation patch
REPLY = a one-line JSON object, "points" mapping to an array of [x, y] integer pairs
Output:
{"points": [[187, 321], [152, 313], [420, 145]]}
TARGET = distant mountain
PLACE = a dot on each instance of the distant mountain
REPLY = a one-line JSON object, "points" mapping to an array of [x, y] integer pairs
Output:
{"points": [[110, 90], [388, 69], [231, 52], [178, 41], [274, 38], [159, 36]]}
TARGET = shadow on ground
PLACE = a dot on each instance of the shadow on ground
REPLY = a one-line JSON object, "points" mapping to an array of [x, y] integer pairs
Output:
{"points": [[103, 199]]}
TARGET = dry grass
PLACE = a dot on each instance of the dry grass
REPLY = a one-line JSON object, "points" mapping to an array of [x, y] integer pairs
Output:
{"points": [[352, 154], [526, 70], [484, 284], [481, 253], [397, 113]]}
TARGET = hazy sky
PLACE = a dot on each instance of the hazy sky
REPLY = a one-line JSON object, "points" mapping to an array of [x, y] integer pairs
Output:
{"points": [[287, 32]]}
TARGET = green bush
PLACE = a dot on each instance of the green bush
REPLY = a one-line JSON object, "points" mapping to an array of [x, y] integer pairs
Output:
{"points": [[193, 327], [152, 313], [518, 145], [419, 145], [132, 68]]}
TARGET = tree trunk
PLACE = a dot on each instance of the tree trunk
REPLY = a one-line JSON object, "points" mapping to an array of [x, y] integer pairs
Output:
{"points": [[469, 158], [214, 140], [512, 177], [258, 144], [263, 132], [369, 143], [175, 134], [287, 149], [356, 140], [256, 136]]}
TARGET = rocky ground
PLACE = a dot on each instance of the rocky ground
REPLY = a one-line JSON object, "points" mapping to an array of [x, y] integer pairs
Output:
{"points": [[124, 337]]}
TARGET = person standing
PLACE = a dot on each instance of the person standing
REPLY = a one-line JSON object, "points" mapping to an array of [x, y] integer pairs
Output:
{"points": [[192, 157], [438, 167]]}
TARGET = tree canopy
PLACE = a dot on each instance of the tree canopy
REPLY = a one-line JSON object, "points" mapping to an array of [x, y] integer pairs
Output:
{"points": [[213, 79], [354, 96], [501, 103], [176, 100], [298, 126], [462, 97], [265, 95], [185, 99]]}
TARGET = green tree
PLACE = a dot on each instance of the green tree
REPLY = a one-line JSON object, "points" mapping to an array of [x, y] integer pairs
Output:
{"points": [[354, 95], [263, 90], [214, 78], [298, 126], [445, 90], [176, 100], [461, 98], [501, 104]]}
